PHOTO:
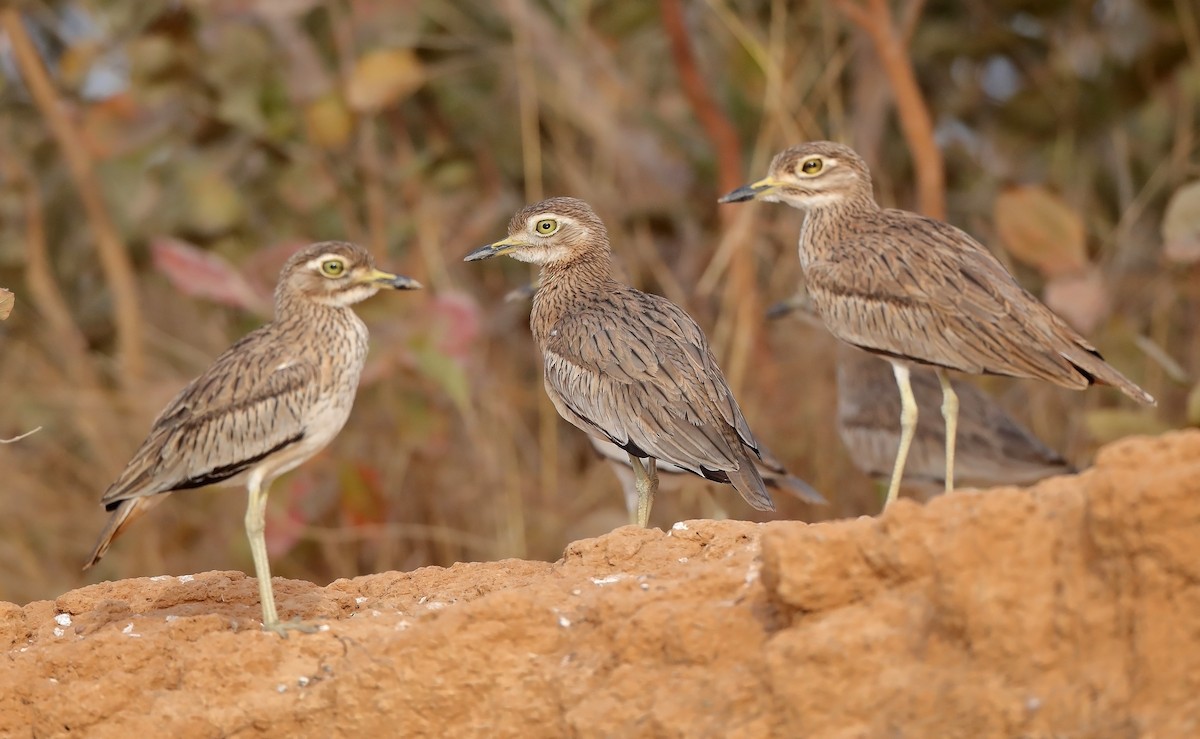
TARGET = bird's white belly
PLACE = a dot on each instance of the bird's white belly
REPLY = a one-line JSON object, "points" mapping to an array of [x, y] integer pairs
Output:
{"points": [[325, 421]]}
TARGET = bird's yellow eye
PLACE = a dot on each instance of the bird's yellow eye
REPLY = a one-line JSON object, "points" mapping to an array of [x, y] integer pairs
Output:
{"points": [[812, 166], [333, 267], [546, 226]]}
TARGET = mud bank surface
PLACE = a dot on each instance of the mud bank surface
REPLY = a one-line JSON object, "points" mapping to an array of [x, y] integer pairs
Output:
{"points": [[1069, 609]]}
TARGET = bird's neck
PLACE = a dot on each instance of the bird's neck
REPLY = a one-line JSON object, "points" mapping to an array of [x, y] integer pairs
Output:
{"points": [[564, 286], [310, 316], [829, 223]]}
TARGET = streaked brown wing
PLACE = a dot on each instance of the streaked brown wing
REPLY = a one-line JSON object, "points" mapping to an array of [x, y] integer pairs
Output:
{"points": [[244, 407], [931, 293], [643, 376]]}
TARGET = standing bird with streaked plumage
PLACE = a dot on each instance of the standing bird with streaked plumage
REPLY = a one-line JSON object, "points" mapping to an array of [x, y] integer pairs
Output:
{"points": [[626, 366], [918, 291], [671, 477], [993, 448], [265, 406]]}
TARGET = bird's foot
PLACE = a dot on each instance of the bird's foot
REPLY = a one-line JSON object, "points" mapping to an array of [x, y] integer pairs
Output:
{"points": [[283, 627]]}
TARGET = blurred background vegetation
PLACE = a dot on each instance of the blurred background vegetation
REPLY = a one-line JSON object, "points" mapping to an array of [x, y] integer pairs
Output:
{"points": [[159, 161]]}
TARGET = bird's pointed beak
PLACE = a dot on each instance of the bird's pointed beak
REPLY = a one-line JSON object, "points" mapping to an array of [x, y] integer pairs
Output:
{"points": [[492, 250], [749, 192], [387, 279], [780, 309]]}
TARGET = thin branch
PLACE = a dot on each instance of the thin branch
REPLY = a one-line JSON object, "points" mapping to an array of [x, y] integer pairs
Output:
{"points": [[369, 159], [114, 259], [908, 19], [741, 293], [14, 439], [720, 131], [65, 335], [890, 43]]}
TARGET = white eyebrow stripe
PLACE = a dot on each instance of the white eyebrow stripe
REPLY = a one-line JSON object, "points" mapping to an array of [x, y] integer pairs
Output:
{"points": [[314, 263]]}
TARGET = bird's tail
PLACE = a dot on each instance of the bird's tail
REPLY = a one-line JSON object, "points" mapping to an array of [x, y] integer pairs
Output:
{"points": [[747, 481], [796, 488], [776, 476], [126, 512], [1103, 373]]}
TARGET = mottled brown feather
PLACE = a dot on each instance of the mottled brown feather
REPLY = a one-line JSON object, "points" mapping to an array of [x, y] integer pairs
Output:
{"points": [[913, 288], [630, 367], [270, 401]]}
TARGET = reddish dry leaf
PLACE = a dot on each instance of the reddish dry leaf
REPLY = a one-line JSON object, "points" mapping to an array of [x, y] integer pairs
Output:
{"points": [[1181, 225], [1038, 228], [456, 320], [263, 266], [7, 299], [382, 78], [1081, 299], [198, 273]]}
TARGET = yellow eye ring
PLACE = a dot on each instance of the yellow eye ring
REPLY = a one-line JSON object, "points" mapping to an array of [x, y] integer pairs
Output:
{"points": [[812, 166], [333, 268], [545, 227]]}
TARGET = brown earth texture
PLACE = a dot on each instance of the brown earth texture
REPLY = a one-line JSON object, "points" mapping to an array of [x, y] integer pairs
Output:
{"points": [[1071, 609]]}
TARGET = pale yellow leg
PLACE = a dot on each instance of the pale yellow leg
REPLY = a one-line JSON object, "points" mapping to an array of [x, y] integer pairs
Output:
{"points": [[631, 502], [950, 415], [256, 524], [908, 426], [646, 480]]}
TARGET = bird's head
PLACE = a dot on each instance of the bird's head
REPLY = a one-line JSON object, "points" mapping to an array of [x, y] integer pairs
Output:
{"points": [[336, 273], [551, 232], [812, 175]]}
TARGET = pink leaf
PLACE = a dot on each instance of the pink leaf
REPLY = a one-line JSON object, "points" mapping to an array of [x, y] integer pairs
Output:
{"points": [[262, 267], [198, 273], [456, 321]]}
